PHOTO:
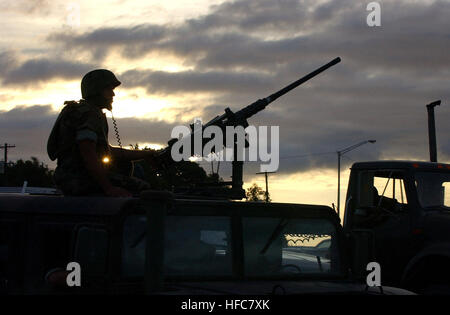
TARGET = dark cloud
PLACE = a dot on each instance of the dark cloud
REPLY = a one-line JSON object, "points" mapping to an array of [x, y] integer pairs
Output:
{"points": [[35, 71], [133, 42], [227, 25], [27, 127], [7, 62], [135, 130], [279, 16], [234, 34], [194, 81]]}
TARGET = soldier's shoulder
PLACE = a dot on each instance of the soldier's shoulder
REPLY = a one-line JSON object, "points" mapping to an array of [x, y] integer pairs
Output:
{"points": [[80, 106], [79, 110]]}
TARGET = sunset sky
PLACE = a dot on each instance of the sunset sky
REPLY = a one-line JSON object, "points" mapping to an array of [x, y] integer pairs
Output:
{"points": [[178, 60]]}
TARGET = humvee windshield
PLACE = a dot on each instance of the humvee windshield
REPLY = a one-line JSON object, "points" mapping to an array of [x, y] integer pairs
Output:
{"points": [[279, 246], [433, 189], [209, 246]]}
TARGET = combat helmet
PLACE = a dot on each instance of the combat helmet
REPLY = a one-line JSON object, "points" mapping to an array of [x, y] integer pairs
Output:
{"points": [[96, 80]]}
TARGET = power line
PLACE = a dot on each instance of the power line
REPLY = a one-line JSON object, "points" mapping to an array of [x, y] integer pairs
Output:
{"points": [[346, 157]]}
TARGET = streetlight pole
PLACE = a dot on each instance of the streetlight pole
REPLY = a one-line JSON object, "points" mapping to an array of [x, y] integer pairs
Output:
{"points": [[340, 153], [339, 182]]}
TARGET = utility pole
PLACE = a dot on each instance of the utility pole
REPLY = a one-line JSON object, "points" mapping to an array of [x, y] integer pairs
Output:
{"points": [[267, 183], [6, 146]]}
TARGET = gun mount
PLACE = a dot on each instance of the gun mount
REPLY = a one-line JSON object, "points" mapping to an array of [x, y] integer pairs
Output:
{"points": [[239, 118]]}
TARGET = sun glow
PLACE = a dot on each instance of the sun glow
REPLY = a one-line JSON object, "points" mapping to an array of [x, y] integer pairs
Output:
{"points": [[150, 145], [133, 106], [54, 94]]}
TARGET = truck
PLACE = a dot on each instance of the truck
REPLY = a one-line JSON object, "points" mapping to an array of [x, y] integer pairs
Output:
{"points": [[397, 214]]}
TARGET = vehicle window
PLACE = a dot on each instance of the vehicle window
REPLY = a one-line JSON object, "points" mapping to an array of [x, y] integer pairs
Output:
{"points": [[381, 195], [197, 245], [324, 244], [284, 247], [194, 246], [55, 246], [446, 186], [433, 189], [383, 188], [389, 187], [91, 249]]}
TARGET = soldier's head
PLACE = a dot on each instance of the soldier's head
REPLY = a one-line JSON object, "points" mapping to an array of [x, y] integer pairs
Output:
{"points": [[97, 86]]}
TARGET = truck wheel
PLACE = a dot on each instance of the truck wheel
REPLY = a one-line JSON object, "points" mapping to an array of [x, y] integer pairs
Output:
{"points": [[431, 276]]}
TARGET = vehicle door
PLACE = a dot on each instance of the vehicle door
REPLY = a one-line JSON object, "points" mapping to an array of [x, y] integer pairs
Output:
{"points": [[56, 241], [378, 221], [12, 232]]}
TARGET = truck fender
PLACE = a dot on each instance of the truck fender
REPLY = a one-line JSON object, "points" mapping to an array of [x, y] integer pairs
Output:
{"points": [[441, 249]]}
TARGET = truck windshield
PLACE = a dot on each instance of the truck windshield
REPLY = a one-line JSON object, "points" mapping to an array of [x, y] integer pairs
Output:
{"points": [[280, 246], [433, 189]]}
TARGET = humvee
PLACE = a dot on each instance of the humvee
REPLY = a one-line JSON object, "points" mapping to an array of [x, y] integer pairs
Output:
{"points": [[159, 244]]}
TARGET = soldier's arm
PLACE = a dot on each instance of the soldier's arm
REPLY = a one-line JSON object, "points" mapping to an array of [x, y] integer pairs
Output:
{"points": [[95, 169], [133, 155]]}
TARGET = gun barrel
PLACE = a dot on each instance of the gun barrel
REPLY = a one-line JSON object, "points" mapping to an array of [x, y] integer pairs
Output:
{"points": [[260, 104], [293, 85]]}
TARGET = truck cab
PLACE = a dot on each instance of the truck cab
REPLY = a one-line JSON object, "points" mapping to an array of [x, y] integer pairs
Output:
{"points": [[398, 214]]}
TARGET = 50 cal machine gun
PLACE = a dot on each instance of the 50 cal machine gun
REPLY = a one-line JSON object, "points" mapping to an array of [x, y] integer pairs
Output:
{"points": [[221, 190]]}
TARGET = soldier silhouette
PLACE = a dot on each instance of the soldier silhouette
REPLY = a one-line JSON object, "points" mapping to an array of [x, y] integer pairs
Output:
{"points": [[79, 142]]}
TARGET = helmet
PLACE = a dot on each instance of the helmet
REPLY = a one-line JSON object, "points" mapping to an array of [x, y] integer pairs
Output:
{"points": [[95, 81]]}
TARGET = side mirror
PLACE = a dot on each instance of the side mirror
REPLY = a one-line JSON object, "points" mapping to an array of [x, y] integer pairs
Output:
{"points": [[91, 250]]}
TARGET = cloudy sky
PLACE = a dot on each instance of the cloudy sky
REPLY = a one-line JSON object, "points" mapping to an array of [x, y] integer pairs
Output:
{"points": [[184, 59]]}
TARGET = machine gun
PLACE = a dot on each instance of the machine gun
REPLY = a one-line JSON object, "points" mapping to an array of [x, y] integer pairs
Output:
{"points": [[238, 118]]}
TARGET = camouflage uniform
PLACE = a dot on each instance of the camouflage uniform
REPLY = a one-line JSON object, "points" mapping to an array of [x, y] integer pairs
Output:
{"points": [[83, 121]]}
